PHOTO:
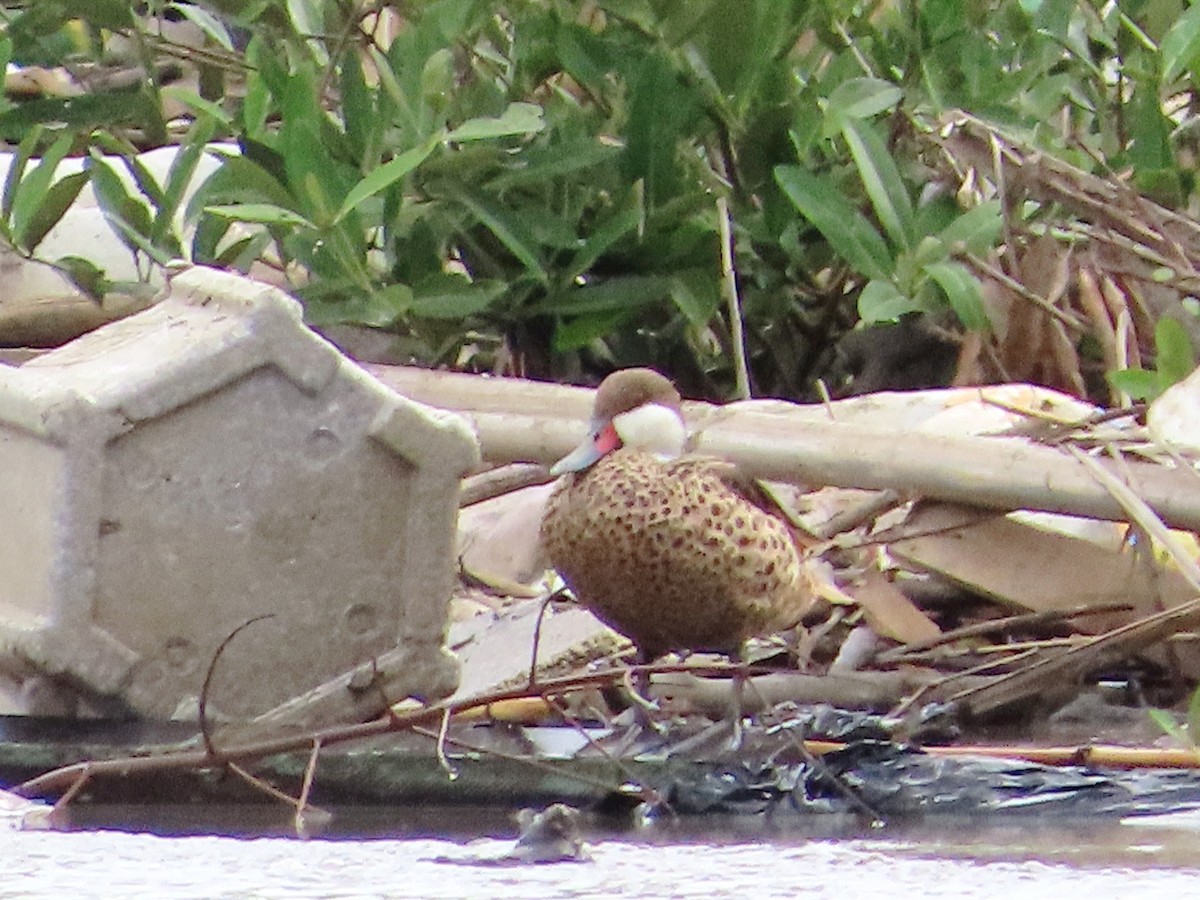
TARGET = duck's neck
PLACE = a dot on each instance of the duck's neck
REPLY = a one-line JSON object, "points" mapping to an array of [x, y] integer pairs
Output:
{"points": [[652, 429]]}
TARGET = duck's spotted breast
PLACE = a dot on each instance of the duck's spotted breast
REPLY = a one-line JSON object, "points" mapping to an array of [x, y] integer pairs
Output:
{"points": [[674, 554]]}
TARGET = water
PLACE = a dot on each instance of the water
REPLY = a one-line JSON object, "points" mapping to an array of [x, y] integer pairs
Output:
{"points": [[710, 859]]}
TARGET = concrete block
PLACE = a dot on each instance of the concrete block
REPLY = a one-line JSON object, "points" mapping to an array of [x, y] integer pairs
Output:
{"points": [[175, 474]]}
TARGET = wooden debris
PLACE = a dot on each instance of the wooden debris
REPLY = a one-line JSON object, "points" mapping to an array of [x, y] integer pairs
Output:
{"points": [[889, 612], [1055, 676], [525, 421], [1030, 568]]}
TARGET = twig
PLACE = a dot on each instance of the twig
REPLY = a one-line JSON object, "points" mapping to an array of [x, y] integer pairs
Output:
{"points": [[815, 763], [909, 702], [981, 629], [55, 816], [737, 333], [1143, 515], [542, 766], [189, 758], [306, 816], [1046, 676], [855, 514], [986, 268], [202, 706], [258, 784], [1015, 650], [310, 772], [537, 636], [501, 480], [443, 761]]}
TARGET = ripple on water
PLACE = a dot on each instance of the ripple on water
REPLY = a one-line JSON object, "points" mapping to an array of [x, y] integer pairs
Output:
{"points": [[103, 864]]}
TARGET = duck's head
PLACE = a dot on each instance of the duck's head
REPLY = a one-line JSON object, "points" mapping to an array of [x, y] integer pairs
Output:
{"points": [[634, 408]]}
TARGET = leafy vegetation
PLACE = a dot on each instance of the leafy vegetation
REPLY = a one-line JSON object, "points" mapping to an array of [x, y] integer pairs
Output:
{"points": [[1174, 360], [532, 186]]}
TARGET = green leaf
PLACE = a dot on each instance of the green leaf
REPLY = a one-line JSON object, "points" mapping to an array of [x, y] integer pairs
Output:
{"points": [[261, 213], [696, 294], [1180, 47], [86, 111], [438, 78], [624, 292], [517, 119], [307, 19], [881, 178], [1193, 719], [16, 170], [55, 203], [1164, 720], [238, 180], [239, 255], [1173, 355], [142, 177], [212, 27], [180, 175], [976, 230], [1139, 384], [881, 301], [316, 173], [581, 331], [963, 293], [929, 250], [31, 191], [361, 116], [453, 297], [385, 176], [660, 112], [844, 227], [539, 166], [198, 104], [256, 106], [1150, 131], [377, 309], [128, 216], [85, 275], [111, 14], [508, 229], [624, 221], [860, 98]]}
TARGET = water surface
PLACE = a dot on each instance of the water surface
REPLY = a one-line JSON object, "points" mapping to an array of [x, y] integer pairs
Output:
{"points": [[402, 856]]}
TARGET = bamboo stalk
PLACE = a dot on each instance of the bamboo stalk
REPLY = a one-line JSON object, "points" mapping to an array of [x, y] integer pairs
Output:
{"points": [[526, 421]]}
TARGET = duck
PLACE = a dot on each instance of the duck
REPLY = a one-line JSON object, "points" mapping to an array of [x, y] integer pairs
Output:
{"points": [[677, 552]]}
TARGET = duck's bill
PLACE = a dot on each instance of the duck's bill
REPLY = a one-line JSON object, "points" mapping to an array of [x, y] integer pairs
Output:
{"points": [[593, 447]]}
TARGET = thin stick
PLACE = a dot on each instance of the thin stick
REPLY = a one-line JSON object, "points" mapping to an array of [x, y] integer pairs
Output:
{"points": [[986, 268], [443, 760], [737, 333], [534, 763], [258, 784], [909, 702], [981, 629], [60, 805], [537, 636], [310, 772], [202, 706], [186, 757], [1141, 513], [818, 766], [307, 817], [501, 480]]}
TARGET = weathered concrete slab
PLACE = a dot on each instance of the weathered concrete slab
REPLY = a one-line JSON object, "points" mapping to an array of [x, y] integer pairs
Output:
{"points": [[497, 652], [172, 475]]}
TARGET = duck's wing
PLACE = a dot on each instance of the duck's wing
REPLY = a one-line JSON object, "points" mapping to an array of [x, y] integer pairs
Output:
{"points": [[754, 490]]}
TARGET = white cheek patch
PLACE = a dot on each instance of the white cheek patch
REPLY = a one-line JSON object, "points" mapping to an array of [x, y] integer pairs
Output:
{"points": [[652, 429]]}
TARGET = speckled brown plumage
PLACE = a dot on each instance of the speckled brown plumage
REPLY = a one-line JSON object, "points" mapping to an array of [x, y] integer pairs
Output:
{"points": [[676, 554]]}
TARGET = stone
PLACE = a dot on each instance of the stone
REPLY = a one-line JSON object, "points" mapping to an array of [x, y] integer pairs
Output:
{"points": [[174, 475]]}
